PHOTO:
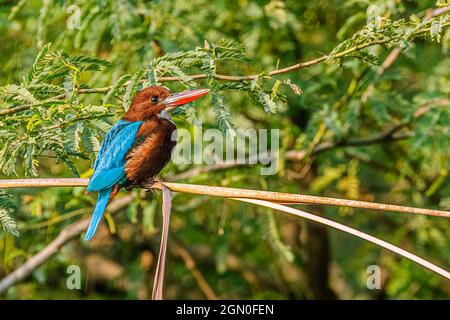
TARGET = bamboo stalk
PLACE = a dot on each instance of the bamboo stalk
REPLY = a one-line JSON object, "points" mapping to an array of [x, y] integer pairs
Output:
{"points": [[278, 197]]}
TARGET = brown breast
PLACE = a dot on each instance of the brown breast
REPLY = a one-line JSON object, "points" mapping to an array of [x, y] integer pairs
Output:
{"points": [[147, 159]]}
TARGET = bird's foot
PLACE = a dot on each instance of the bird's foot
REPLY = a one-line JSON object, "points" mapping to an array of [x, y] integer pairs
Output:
{"points": [[150, 182]]}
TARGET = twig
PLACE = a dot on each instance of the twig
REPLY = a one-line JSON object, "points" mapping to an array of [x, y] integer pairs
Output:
{"points": [[279, 197], [394, 54], [436, 12], [43, 182], [196, 171], [28, 106], [389, 134], [184, 254], [352, 231], [52, 248], [55, 220]]}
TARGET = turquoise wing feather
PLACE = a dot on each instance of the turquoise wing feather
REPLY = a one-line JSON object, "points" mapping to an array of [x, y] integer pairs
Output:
{"points": [[109, 167]]}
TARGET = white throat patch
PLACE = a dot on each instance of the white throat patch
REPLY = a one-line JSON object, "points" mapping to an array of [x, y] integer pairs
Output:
{"points": [[165, 114]]}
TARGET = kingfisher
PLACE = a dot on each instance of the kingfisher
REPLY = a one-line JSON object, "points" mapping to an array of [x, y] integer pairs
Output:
{"points": [[137, 147]]}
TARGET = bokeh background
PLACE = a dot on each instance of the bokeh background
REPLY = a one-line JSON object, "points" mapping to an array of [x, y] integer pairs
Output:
{"points": [[238, 250]]}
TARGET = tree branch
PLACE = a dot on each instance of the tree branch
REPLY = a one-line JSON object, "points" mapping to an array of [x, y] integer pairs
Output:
{"points": [[387, 135], [279, 197], [189, 261]]}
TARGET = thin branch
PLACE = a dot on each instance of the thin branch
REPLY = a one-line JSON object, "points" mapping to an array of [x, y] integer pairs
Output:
{"points": [[387, 135], [436, 12], [43, 182], [351, 231], [28, 106], [196, 171], [189, 261], [394, 54], [55, 220], [279, 197]]}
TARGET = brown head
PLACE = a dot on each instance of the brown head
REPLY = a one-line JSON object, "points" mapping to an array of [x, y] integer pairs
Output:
{"points": [[149, 102]]}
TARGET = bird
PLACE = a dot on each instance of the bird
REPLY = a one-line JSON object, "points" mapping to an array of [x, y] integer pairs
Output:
{"points": [[137, 147]]}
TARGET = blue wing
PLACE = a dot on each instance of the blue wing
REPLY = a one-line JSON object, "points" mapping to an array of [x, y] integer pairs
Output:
{"points": [[109, 168]]}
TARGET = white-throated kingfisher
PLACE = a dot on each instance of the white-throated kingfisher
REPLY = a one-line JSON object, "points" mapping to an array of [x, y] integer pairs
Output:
{"points": [[137, 147]]}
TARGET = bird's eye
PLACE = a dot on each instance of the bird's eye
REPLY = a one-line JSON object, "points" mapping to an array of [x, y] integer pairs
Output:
{"points": [[154, 99]]}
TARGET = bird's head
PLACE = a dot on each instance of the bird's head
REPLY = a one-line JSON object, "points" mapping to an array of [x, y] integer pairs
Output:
{"points": [[151, 101]]}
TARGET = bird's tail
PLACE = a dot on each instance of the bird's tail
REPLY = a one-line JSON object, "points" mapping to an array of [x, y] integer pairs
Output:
{"points": [[100, 206]]}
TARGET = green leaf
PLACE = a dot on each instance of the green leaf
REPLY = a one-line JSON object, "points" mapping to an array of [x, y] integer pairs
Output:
{"points": [[118, 86], [30, 162], [90, 141], [132, 89], [40, 63], [266, 100], [271, 234], [223, 116], [7, 210], [21, 94], [46, 89]]}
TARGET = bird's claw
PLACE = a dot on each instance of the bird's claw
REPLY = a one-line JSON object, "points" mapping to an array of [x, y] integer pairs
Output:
{"points": [[149, 183]]}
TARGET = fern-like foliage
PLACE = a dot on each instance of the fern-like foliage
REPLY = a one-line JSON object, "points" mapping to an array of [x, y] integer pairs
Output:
{"points": [[54, 123], [7, 210], [223, 116], [272, 236]]}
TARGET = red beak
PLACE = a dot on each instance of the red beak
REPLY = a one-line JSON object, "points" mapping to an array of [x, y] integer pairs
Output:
{"points": [[178, 99]]}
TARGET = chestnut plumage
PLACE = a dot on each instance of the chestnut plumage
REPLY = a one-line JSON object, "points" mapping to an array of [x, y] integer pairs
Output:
{"points": [[137, 147]]}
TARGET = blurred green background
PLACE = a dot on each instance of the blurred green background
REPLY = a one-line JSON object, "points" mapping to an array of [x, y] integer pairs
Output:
{"points": [[242, 251]]}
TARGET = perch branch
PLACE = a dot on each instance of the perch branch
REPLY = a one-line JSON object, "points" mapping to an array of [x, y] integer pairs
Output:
{"points": [[279, 197]]}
